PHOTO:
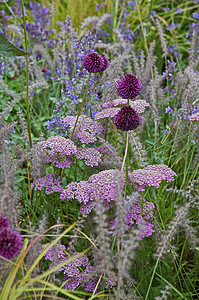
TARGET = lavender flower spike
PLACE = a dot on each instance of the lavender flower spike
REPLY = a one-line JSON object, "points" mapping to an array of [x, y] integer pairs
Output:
{"points": [[129, 86]]}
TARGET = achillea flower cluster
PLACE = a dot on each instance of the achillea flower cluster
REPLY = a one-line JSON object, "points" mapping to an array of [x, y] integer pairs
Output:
{"points": [[50, 182], [103, 184], [129, 86], [135, 212], [58, 150], [77, 272], [91, 156], [86, 129], [10, 242], [139, 105], [94, 62], [152, 175], [139, 213], [127, 119], [111, 108]]}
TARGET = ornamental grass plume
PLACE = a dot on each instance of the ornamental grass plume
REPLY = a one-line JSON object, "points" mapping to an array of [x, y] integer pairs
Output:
{"points": [[10, 243], [94, 62], [129, 86], [127, 119]]}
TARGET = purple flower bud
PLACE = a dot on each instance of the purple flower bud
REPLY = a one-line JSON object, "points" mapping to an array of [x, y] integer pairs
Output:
{"points": [[127, 119], [10, 243], [129, 86]]}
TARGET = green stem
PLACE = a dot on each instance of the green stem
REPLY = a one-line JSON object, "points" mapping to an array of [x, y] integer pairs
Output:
{"points": [[79, 113], [27, 93], [81, 106]]}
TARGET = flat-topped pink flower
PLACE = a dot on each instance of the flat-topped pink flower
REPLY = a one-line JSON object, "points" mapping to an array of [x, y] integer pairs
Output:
{"points": [[152, 175]]}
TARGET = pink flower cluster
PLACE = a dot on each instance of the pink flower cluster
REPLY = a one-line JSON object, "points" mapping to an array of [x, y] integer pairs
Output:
{"points": [[139, 213], [58, 150], [102, 185], [50, 182], [111, 108], [91, 156], [86, 129], [152, 175]]}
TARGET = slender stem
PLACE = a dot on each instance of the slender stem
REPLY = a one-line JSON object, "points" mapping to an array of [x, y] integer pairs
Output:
{"points": [[126, 150], [81, 107], [27, 93], [79, 113]]}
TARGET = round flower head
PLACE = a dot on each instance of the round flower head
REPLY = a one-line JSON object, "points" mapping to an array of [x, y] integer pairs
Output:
{"points": [[129, 86], [94, 62], [127, 119], [105, 63], [10, 243], [4, 222]]}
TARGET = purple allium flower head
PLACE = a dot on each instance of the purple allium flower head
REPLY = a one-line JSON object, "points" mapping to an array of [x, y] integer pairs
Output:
{"points": [[129, 86], [127, 119], [94, 62], [152, 175], [10, 243], [105, 63], [4, 222]]}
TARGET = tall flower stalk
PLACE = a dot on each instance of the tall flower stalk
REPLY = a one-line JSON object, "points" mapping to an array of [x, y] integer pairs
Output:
{"points": [[27, 96]]}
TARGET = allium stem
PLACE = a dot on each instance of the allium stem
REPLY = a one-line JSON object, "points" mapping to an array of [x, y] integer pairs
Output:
{"points": [[126, 150]]}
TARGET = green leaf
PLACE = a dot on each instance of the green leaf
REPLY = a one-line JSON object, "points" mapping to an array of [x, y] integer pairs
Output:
{"points": [[8, 49]]}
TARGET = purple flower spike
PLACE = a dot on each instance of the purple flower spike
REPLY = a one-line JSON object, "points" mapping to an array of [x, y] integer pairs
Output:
{"points": [[10, 243], [94, 62], [127, 119], [129, 86], [4, 222]]}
